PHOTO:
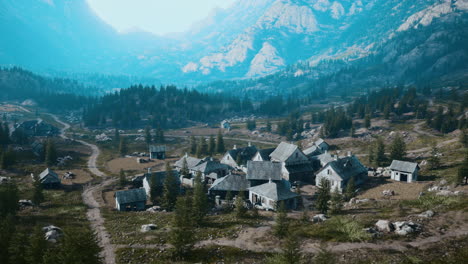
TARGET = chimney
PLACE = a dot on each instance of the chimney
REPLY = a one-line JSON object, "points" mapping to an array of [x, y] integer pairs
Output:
{"points": [[350, 153], [149, 170], [235, 147], [269, 180], [326, 151], [186, 154], [250, 144], [335, 157]]}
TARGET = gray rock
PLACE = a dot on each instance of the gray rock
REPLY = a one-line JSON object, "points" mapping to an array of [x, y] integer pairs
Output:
{"points": [[404, 228], [52, 233], [319, 218], [388, 193], [148, 228], [384, 226], [427, 214]]}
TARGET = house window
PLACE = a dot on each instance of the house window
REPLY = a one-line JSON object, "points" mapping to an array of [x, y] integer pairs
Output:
{"points": [[329, 172], [297, 154]]}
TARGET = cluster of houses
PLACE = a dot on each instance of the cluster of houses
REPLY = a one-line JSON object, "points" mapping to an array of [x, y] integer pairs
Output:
{"points": [[265, 175]]}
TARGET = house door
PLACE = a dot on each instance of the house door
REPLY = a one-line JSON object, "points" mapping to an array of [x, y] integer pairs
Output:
{"points": [[403, 177]]}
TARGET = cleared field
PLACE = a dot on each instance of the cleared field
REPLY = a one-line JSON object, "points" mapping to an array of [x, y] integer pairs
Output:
{"points": [[403, 190]]}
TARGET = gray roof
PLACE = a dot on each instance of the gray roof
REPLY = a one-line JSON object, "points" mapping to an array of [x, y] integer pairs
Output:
{"points": [[346, 167], [43, 177], [283, 151], [263, 170], [161, 148], [131, 196], [325, 158], [210, 166], [320, 141], [265, 153], [276, 191], [314, 150], [404, 166], [191, 162], [246, 153], [233, 183], [160, 176], [300, 168]]}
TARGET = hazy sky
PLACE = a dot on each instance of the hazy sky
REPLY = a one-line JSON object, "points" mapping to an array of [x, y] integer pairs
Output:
{"points": [[157, 16]]}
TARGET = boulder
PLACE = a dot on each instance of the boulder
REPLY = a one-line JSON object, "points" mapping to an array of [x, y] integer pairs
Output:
{"points": [[443, 182], [148, 228], [373, 231], [358, 201], [25, 203], [384, 226], [52, 233], [427, 214], [154, 209], [404, 228], [388, 193], [319, 218], [445, 193]]}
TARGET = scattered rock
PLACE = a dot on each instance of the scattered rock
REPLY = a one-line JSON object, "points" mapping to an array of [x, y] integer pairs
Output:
{"points": [[374, 232], [443, 182], [358, 201], [404, 228], [319, 218], [147, 228], [52, 233], [25, 203], [388, 193], [427, 214], [384, 226], [4, 179], [154, 209]]}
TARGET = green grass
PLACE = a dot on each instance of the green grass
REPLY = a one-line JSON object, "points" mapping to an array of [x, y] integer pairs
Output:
{"points": [[337, 229]]}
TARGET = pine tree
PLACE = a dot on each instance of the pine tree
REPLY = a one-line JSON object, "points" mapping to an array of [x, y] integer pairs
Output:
{"points": [[50, 153], [211, 146], [305, 215], [193, 145], [380, 153], [148, 137], [7, 231], [281, 225], [268, 126], [200, 199], [122, 178], [123, 149], [38, 195], [398, 149], [9, 197], [37, 247], [77, 246], [291, 250], [464, 138], [182, 234], [117, 136], [336, 202], [367, 121], [323, 196], [184, 171], [462, 175], [350, 190], [18, 246], [171, 189], [434, 160], [220, 143], [371, 156], [240, 205], [352, 131]]}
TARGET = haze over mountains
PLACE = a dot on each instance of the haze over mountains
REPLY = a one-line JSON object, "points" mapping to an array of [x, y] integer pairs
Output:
{"points": [[377, 41]]}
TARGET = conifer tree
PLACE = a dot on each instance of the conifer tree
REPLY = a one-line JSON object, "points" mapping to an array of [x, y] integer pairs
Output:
{"points": [[464, 138], [398, 149], [9, 197], [336, 202], [17, 248], [193, 145], [291, 249], [38, 195], [122, 178], [211, 146], [268, 126], [171, 189], [240, 205], [184, 171], [380, 153], [305, 215], [434, 160], [281, 225], [371, 155], [50, 153], [323, 196], [37, 247], [350, 190], [367, 121], [123, 149], [200, 199], [220, 143], [148, 137], [77, 246], [117, 136], [182, 234]]}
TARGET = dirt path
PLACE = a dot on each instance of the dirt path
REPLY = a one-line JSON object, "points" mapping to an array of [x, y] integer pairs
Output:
{"points": [[94, 212]]}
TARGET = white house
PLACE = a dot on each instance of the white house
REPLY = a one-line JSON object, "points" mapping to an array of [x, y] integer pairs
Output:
{"points": [[404, 171], [269, 195], [237, 157], [226, 125], [296, 166], [159, 178], [340, 171]]}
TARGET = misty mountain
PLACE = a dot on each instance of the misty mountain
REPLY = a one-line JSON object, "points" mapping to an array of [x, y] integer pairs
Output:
{"points": [[300, 40]]}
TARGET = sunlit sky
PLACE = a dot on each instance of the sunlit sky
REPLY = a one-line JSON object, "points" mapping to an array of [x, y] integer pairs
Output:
{"points": [[156, 16]]}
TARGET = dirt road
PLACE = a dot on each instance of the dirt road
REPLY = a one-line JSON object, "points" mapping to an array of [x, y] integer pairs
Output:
{"points": [[94, 212]]}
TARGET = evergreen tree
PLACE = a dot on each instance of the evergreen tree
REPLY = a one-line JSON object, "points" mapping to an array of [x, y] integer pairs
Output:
{"points": [[122, 178], [291, 250], [350, 190], [462, 175], [7, 231], [148, 137], [123, 149], [9, 197], [240, 205], [380, 153], [171, 189], [77, 246], [305, 215], [182, 235], [211, 146], [220, 143], [268, 126], [200, 199], [8, 158], [281, 225], [323, 196], [434, 160], [38, 195], [117, 136], [184, 171], [352, 132], [18, 246], [367, 121], [371, 156], [37, 247], [398, 149], [336, 202], [464, 138], [193, 145], [50, 153]]}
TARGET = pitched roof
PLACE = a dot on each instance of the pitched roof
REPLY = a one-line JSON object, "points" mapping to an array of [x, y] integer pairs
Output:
{"points": [[131, 196], [320, 141], [246, 153], [230, 183], [300, 168], [265, 153], [324, 158], [263, 170], [283, 151], [46, 173], [210, 166], [191, 162], [314, 150], [161, 148], [346, 167], [276, 191], [404, 166], [160, 176]]}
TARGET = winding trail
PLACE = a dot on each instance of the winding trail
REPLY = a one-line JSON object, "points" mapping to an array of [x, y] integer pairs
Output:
{"points": [[94, 212]]}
